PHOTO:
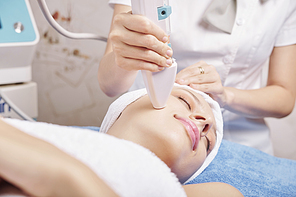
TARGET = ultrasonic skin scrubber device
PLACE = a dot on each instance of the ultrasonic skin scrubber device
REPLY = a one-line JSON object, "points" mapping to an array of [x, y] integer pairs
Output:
{"points": [[158, 84]]}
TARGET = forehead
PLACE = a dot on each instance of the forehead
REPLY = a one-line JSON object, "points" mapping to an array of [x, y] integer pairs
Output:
{"points": [[199, 99]]}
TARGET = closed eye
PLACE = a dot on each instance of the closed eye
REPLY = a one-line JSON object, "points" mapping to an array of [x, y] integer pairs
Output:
{"points": [[208, 145], [185, 101]]}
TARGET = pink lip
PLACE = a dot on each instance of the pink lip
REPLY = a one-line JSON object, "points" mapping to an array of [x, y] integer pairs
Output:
{"points": [[192, 131]]}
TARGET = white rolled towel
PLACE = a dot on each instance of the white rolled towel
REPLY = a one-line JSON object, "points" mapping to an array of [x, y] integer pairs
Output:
{"points": [[129, 169]]}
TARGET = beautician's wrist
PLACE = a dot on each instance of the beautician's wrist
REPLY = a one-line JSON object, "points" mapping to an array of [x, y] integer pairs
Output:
{"points": [[228, 98]]}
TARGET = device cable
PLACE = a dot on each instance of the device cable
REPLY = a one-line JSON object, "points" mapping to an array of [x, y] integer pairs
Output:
{"points": [[17, 110], [64, 32]]}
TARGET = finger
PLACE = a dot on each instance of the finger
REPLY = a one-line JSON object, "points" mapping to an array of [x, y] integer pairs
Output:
{"points": [[132, 38], [189, 71], [143, 25], [187, 75], [149, 42], [139, 53], [200, 72], [199, 68], [209, 88], [202, 79], [149, 34], [134, 64]]}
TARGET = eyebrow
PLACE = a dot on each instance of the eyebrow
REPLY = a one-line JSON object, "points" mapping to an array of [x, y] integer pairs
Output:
{"points": [[194, 96]]}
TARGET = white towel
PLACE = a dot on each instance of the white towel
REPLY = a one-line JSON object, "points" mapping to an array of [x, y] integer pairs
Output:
{"points": [[122, 102], [129, 169]]}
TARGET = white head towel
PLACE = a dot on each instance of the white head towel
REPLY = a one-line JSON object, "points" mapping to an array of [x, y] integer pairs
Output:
{"points": [[122, 102]]}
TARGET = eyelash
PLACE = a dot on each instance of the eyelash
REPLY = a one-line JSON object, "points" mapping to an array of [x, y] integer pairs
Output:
{"points": [[185, 101], [209, 144]]}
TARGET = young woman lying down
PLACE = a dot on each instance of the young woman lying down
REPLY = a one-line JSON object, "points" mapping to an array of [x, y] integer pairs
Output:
{"points": [[146, 152]]}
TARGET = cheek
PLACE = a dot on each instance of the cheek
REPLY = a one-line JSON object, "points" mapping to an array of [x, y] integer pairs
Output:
{"points": [[175, 141], [198, 158], [172, 143], [188, 163]]}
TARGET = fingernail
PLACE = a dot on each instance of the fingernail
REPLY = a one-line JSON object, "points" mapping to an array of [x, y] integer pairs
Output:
{"points": [[169, 62], [160, 68], [165, 39], [169, 53], [181, 80], [193, 86]]}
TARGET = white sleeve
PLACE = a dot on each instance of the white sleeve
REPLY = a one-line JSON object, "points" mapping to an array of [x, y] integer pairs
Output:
{"points": [[287, 34], [123, 2]]}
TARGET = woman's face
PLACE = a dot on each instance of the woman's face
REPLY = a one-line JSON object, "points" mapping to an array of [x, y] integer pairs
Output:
{"points": [[182, 134]]}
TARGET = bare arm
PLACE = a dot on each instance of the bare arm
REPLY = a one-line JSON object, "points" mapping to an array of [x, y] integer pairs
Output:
{"points": [[211, 189], [40, 169], [134, 43], [277, 99]]}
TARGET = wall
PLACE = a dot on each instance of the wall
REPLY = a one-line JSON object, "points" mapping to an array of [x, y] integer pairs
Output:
{"points": [[283, 131], [66, 70]]}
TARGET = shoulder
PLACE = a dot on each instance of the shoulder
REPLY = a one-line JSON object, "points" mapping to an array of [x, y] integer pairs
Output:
{"points": [[212, 189], [119, 2]]}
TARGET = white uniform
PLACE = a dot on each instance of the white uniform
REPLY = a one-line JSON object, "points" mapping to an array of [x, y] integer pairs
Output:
{"points": [[239, 57]]}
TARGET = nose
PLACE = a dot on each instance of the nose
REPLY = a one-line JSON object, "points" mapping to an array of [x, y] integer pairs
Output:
{"points": [[203, 121]]}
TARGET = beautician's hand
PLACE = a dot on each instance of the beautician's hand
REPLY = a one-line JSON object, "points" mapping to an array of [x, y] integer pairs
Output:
{"points": [[205, 78], [134, 43], [139, 44]]}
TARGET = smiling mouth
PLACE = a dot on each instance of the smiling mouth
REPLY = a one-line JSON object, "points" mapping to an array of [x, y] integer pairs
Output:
{"points": [[192, 131]]}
